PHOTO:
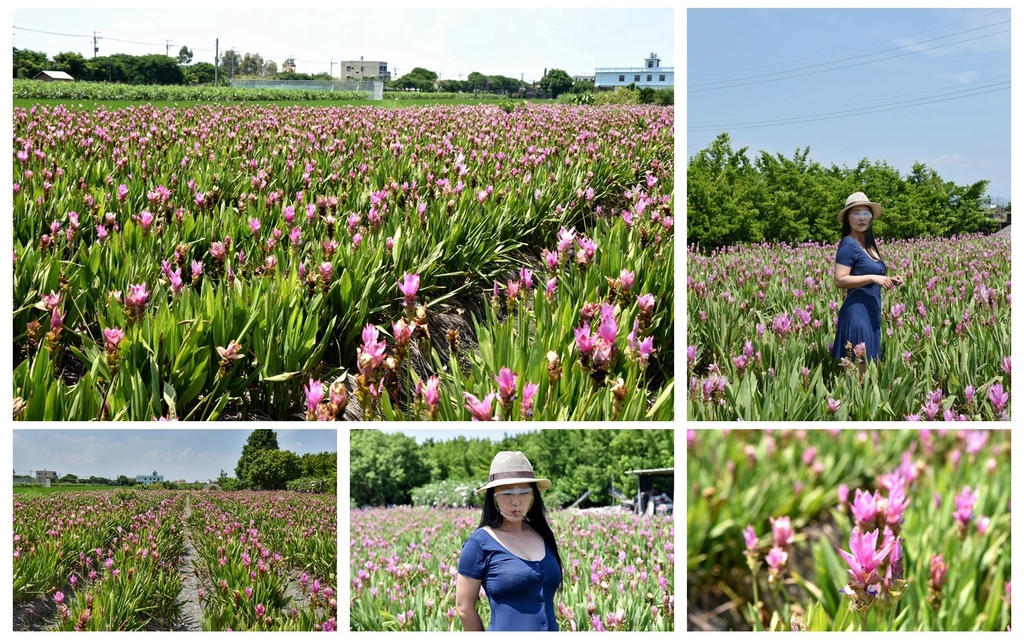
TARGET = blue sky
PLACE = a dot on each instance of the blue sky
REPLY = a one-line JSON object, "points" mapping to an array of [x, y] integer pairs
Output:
{"points": [[929, 85], [190, 454], [518, 42]]}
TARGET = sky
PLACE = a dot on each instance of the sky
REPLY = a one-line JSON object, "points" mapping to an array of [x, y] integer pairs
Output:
{"points": [[189, 454], [518, 43], [928, 85]]}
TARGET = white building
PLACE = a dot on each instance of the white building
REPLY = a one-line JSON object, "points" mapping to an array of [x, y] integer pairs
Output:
{"points": [[150, 479], [358, 70], [652, 75]]}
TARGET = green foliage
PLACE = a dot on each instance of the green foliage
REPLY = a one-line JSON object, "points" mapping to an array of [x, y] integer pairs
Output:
{"points": [[314, 484], [575, 460], [259, 440], [732, 199], [446, 494], [28, 63], [270, 470], [555, 82], [620, 95], [198, 75], [384, 468]]}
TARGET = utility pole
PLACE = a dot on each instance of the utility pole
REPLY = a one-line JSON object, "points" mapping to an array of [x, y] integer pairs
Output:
{"points": [[168, 48], [216, 61], [332, 68], [95, 43]]}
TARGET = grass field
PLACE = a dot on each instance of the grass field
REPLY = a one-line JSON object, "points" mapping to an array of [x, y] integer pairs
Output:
{"points": [[27, 103]]}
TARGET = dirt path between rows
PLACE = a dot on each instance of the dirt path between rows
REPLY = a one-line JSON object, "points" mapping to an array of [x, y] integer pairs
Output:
{"points": [[191, 612]]}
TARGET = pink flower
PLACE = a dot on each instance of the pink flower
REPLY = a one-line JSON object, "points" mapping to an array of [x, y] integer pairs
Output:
{"points": [[113, 337], [529, 392], [254, 225], [409, 285], [481, 410], [864, 559], [998, 397], [833, 404], [782, 532], [937, 569], [964, 504], [326, 269], [218, 250], [646, 301], [507, 384], [314, 394], [776, 559], [864, 507], [750, 537], [430, 391]]}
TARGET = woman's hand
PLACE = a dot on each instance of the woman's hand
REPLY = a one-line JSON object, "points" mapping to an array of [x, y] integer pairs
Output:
{"points": [[885, 282], [898, 280]]}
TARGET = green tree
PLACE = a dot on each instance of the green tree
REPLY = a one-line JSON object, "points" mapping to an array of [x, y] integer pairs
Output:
{"points": [[73, 64], [252, 65], [719, 207], [419, 79], [199, 73], [259, 440], [184, 56], [324, 463], [27, 64], [384, 468], [555, 82], [271, 470], [269, 69], [230, 62]]}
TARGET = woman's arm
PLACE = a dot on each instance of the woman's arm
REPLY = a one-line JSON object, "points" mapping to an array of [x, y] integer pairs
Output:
{"points": [[467, 592], [844, 280]]}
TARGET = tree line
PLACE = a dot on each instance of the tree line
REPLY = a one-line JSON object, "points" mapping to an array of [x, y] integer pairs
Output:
{"points": [[732, 199], [385, 468]]}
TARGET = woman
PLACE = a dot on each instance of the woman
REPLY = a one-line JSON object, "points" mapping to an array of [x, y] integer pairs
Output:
{"points": [[512, 554], [861, 271]]}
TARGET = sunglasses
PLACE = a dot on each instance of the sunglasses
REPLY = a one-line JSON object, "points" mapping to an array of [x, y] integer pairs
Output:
{"points": [[508, 493]]}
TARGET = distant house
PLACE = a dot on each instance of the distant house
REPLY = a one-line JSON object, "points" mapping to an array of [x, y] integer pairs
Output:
{"points": [[150, 479], [583, 78], [53, 76], [356, 70], [43, 474], [652, 75]]}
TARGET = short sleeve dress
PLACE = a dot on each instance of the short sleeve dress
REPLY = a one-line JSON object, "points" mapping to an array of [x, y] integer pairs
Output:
{"points": [[860, 317], [521, 592]]}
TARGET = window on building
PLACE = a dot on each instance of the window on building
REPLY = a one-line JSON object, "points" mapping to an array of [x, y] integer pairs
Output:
{"points": [[622, 78], [650, 63], [661, 77], [648, 77], [636, 78]]}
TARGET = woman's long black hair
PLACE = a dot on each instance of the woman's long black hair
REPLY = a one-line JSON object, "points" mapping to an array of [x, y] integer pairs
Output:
{"points": [[492, 518], [869, 235]]}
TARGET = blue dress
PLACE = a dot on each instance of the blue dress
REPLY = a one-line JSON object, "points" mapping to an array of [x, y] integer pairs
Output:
{"points": [[521, 592], [860, 317]]}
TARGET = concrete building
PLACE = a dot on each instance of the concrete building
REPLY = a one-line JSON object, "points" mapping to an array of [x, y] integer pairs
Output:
{"points": [[583, 78], [43, 474], [150, 479], [652, 75], [361, 69]]}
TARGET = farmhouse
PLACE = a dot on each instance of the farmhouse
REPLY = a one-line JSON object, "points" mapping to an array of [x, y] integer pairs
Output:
{"points": [[363, 69], [652, 74], [150, 479], [43, 474], [53, 76]]}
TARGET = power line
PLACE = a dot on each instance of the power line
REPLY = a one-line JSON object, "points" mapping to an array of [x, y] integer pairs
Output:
{"points": [[906, 104], [871, 44], [709, 87]]}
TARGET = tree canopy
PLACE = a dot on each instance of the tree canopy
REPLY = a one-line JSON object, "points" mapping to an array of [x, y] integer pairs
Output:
{"points": [[732, 198], [385, 468], [555, 82]]}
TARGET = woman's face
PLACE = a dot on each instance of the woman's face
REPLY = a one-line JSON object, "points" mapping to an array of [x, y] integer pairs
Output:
{"points": [[514, 500], [860, 218]]}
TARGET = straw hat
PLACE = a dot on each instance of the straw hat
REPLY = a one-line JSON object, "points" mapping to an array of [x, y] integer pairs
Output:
{"points": [[859, 199], [512, 467]]}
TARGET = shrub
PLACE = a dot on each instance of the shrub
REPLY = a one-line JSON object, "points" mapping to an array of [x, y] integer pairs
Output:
{"points": [[447, 494], [309, 484]]}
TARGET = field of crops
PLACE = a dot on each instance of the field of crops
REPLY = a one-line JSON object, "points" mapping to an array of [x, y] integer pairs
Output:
{"points": [[761, 320], [618, 576], [875, 530], [245, 261], [118, 560]]}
